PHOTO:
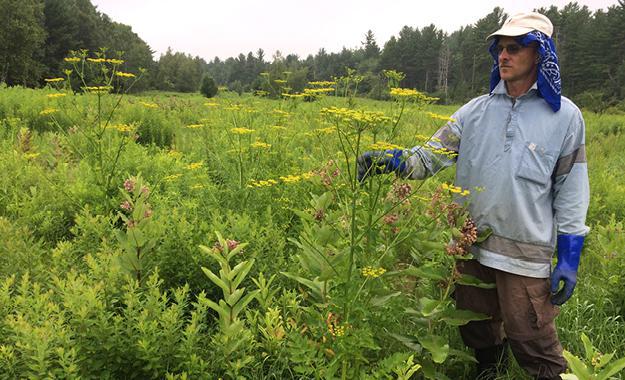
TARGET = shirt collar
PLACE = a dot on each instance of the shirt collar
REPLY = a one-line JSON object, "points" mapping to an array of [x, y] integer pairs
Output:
{"points": [[501, 88]]}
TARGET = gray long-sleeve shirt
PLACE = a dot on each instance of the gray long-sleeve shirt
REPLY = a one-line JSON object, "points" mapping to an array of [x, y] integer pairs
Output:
{"points": [[525, 167]]}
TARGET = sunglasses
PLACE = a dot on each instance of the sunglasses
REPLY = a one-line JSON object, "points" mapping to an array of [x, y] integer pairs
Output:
{"points": [[512, 49]]}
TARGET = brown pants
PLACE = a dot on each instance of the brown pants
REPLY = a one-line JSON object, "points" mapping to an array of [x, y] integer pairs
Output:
{"points": [[521, 311]]}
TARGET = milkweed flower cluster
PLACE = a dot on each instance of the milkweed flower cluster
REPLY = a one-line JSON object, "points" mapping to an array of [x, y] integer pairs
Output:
{"points": [[372, 272], [468, 236], [230, 243]]}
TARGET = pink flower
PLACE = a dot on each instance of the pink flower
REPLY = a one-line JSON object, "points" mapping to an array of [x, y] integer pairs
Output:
{"points": [[126, 206], [145, 190], [129, 185], [148, 213]]}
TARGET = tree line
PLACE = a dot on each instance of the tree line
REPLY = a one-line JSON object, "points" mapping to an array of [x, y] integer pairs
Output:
{"points": [[35, 36]]}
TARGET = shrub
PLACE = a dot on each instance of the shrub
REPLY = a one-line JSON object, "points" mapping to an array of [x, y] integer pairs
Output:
{"points": [[208, 87]]}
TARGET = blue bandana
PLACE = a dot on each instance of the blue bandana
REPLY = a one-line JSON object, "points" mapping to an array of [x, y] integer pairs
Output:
{"points": [[549, 83]]}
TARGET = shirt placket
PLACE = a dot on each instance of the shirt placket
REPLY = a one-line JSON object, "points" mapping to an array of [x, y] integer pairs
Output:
{"points": [[512, 124]]}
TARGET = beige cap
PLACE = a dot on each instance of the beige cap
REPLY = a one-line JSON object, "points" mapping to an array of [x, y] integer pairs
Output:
{"points": [[523, 23]]}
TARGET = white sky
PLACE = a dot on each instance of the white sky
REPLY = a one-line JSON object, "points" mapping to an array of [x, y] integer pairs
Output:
{"points": [[226, 28]]}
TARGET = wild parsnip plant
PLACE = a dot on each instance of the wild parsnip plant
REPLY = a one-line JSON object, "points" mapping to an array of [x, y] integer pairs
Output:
{"points": [[101, 275]]}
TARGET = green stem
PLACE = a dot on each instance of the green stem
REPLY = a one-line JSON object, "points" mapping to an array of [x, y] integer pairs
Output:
{"points": [[352, 247]]}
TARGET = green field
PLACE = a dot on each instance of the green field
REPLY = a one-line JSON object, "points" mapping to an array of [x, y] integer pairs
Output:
{"points": [[106, 200]]}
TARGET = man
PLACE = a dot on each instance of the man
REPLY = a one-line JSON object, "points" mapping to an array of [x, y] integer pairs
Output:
{"points": [[523, 144]]}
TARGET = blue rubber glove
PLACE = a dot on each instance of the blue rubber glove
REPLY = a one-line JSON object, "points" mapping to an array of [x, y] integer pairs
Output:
{"points": [[378, 162], [569, 252]]}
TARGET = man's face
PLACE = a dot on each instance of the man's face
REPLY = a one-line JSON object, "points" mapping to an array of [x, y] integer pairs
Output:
{"points": [[516, 62]]}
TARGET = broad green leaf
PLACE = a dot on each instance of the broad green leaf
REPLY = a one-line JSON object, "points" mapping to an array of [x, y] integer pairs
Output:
{"points": [[430, 307], [216, 280], [429, 272], [437, 346], [483, 235], [215, 255], [611, 369], [467, 357], [409, 342], [568, 376], [315, 286], [455, 317], [222, 312], [382, 300], [232, 253], [577, 366], [466, 279]]}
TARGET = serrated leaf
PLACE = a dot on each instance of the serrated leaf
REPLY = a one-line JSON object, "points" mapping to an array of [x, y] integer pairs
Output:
{"points": [[437, 346], [466, 279]]}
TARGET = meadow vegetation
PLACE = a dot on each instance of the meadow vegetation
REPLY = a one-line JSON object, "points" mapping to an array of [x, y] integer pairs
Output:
{"points": [[173, 236]]}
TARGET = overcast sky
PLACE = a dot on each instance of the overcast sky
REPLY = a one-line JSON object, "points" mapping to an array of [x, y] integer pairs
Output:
{"points": [[226, 28]]}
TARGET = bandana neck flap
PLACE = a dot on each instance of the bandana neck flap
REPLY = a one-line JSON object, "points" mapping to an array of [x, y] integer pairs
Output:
{"points": [[549, 83]]}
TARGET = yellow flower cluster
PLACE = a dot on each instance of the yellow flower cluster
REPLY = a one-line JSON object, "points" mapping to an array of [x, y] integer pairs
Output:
{"points": [[114, 61], [262, 183], [98, 89], [124, 128], [197, 186], [355, 116], [194, 165], [53, 80], [381, 145], [241, 131], [297, 178], [124, 75], [172, 177], [293, 96], [280, 113], [57, 95], [96, 60], [372, 272], [325, 131], [195, 126], [30, 156], [440, 117], [280, 81], [443, 151], [322, 84], [317, 91], [174, 153], [278, 127], [48, 111], [455, 189], [234, 107], [211, 104], [72, 59], [406, 93], [260, 144], [149, 105]]}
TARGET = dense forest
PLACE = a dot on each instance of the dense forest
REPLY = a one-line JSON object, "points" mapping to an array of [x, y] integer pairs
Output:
{"points": [[35, 36]]}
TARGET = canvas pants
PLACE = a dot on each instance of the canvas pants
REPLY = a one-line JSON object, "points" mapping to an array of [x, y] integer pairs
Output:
{"points": [[521, 312]]}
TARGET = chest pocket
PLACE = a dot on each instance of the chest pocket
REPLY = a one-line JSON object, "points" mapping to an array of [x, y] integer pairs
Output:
{"points": [[536, 164]]}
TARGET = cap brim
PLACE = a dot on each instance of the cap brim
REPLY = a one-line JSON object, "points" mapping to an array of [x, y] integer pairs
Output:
{"points": [[510, 31]]}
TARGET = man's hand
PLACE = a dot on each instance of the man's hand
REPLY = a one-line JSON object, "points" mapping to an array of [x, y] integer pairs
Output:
{"points": [[569, 252], [378, 162]]}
